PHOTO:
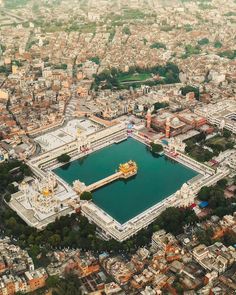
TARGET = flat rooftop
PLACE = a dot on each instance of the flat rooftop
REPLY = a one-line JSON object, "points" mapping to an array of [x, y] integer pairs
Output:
{"points": [[67, 133]]}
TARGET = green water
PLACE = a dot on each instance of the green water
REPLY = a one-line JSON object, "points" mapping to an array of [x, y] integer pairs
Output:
{"points": [[157, 178]]}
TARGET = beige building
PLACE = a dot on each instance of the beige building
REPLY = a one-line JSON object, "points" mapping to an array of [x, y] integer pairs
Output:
{"points": [[3, 95]]}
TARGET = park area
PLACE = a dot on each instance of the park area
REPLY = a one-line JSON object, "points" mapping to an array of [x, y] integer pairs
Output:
{"points": [[136, 77], [203, 150], [116, 79], [220, 143]]}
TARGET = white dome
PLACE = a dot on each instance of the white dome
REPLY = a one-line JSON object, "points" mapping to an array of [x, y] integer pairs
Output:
{"points": [[175, 121]]}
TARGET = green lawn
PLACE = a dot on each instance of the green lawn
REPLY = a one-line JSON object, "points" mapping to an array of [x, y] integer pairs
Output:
{"points": [[199, 154], [219, 141], [134, 77], [216, 140]]}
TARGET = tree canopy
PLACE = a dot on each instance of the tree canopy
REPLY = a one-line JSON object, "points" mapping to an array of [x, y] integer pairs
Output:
{"points": [[112, 78], [158, 45], [86, 196], [12, 171], [185, 90], [214, 195], [64, 158], [70, 285], [174, 219], [156, 148], [230, 54], [95, 59], [203, 41], [160, 105], [218, 44]]}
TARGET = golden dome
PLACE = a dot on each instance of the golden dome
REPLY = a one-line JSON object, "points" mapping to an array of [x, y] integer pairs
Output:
{"points": [[46, 192]]}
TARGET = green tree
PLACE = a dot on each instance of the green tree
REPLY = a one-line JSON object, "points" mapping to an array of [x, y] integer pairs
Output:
{"points": [[2, 48], [160, 105], [218, 44], [201, 137], [217, 200], [226, 133], [229, 145], [64, 158], [191, 50], [230, 54], [11, 189], [95, 59], [158, 45], [86, 196], [156, 148], [34, 251], [126, 30], [204, 193], [8, 198], [173, 219], [70, 285], [52, 281], [188, 28], [5, 70], [205, 236], [55, 240], [185, 90], [12, 222], [229, 239], [203, 41], [222, 183], [224, 210], [60, 67]]}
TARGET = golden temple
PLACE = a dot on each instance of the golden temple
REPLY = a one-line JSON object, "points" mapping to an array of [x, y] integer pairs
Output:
{"points": [[128, 168]]}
